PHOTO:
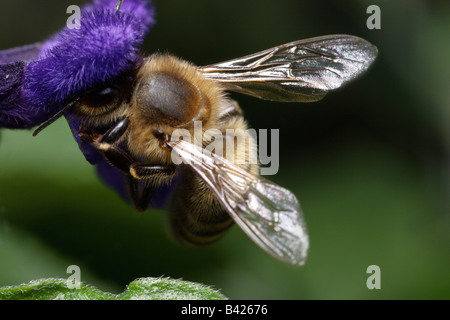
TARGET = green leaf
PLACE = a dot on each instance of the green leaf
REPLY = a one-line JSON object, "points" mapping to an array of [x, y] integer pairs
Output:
{"points": [[140, 289]]}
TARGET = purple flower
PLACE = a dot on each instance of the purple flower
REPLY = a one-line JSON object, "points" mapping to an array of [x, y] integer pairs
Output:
{"points": [[45, 77], [38, 80]]}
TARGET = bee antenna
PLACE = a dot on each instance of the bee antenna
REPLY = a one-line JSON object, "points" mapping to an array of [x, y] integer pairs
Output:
{"points": [[118, 5], [54, 117]]}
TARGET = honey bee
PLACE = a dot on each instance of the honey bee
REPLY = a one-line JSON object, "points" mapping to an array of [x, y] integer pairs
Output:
{"points": [[133, 121]]}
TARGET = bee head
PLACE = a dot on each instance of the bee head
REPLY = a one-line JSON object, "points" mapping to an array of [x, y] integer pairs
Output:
{"points": [[161, 95]]}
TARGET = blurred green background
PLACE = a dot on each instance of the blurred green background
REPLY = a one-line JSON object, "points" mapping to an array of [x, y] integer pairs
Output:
{"points": [[370, 163]]}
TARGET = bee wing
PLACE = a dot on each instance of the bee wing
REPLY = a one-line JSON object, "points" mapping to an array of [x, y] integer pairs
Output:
{"points": [[269, 214], [299, 71]]}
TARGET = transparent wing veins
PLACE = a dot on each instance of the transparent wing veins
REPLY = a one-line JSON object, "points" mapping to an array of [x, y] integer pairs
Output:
{"points": [[299, 71], [269, 214]]}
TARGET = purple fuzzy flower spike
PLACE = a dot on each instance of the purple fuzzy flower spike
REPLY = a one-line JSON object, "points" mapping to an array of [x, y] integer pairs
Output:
{"points": [[141, 10], [37, 81], [13, 112], [72, 61], [105, 47]]}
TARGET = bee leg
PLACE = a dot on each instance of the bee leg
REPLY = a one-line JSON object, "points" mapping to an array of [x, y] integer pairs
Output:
{"points": [[153, 176], [111, 136], [135, 172], [115, 132], [143, 171], [106, 144], [140, 194]]}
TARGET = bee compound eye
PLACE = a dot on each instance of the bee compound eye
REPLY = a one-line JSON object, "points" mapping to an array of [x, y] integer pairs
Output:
{"points": [[99, 101], [165, 98], [102, 97]]}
